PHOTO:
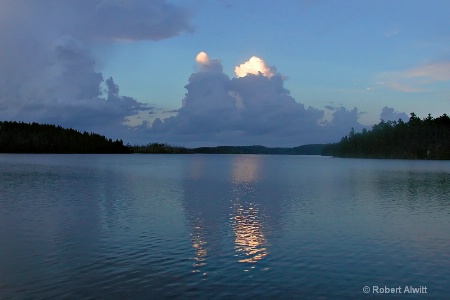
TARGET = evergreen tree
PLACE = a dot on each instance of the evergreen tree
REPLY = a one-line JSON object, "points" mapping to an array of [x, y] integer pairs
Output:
{"points": [[19, 137], [426, 138]]}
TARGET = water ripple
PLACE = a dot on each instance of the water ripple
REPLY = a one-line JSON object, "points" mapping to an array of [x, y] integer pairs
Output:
{"points": [[220, 227]]}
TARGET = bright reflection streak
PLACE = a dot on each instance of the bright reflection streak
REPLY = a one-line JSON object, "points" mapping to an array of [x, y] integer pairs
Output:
{"points": [[246, 219], [199, 245], [250, 241], [246, 169]]}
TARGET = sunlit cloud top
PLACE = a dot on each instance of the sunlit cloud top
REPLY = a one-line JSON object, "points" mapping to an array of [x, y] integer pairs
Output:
{"points": [[202, 58], [254, 65], [208, 65]]}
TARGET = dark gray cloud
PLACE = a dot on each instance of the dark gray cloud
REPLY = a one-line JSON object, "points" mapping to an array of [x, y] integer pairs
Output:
{"points": [[132, 19], [48, 73], [389, 114], [96, 19], [253, 109]]}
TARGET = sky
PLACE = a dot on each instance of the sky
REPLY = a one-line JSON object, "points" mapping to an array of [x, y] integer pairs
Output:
{"points": [[204, 72]]}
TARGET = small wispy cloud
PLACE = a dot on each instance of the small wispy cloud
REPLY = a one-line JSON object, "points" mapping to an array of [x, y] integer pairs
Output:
{"points": [[397, 84], [432, 72], [393, 31], [415, 80]]}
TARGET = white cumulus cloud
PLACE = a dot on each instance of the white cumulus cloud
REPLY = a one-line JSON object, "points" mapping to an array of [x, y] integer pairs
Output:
{"points": [[255, 66], [251, 109]]}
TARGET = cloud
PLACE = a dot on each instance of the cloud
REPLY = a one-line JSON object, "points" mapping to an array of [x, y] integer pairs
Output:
{"points": [[393, 31], [48, 71], [133, 19], [98, 19], [208, 65], [254, 65], [202, 58], [344, 119], [402, 85], [431, 72], [389, 114], [252, 109], [417, 79]]}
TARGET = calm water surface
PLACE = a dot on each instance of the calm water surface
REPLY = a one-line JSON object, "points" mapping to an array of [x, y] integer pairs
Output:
{"points": [[221, 226]]}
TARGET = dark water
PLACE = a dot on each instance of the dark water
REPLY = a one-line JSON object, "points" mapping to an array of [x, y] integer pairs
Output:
{"points": [[229, 226]]}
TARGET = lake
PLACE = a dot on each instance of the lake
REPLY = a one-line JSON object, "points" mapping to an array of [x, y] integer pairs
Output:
{"points": [[222, 226]]}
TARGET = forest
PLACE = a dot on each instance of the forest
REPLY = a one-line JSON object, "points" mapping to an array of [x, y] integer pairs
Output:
{"points": [[158, 148], [427, 138], [19, 137]]}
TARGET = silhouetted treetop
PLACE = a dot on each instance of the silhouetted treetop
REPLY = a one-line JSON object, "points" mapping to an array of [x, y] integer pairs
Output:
{"points": [[427, 138], [19, 137]]}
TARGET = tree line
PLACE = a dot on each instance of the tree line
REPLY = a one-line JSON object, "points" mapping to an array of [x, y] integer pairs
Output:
{"points": [[20, 137], [427, 138], [158, 148]]}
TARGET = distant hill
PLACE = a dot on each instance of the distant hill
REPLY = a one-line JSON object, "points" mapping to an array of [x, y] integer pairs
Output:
{"points": [[19, 137], [159, 148], [315, 149]]}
